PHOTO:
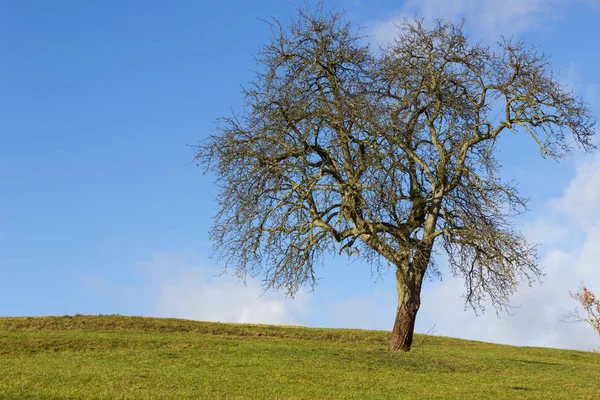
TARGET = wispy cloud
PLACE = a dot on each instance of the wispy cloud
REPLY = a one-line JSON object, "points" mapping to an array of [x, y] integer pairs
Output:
{"points": [[569, 228], [185, 284], [486, 18], [196, 293]]}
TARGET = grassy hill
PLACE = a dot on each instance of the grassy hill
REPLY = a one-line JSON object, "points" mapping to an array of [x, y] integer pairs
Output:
{"points": [[116, 357]]}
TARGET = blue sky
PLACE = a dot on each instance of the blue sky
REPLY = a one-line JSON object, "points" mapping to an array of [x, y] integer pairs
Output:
{"points": [[102, 212]]}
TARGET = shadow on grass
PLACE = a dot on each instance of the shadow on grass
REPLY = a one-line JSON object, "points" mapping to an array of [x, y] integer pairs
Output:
{"points": [[533, 362]]}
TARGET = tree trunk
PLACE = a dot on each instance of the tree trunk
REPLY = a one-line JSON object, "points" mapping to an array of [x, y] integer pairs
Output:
{"points": [[409, 301]]}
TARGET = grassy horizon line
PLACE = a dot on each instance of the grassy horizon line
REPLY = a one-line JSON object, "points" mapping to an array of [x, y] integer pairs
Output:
{"points": [[123, 357]]}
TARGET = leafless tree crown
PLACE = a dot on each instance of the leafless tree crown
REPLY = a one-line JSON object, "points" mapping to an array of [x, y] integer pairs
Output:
{"points": [[382, 154]]}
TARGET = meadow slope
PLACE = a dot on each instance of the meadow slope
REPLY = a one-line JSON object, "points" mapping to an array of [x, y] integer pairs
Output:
{"points": [[117, 357]]}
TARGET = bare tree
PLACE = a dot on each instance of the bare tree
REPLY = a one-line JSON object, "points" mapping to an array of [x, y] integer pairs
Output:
{"points": [[385, 155]]}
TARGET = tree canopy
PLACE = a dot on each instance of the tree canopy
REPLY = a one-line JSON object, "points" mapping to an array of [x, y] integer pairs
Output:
{"points": [[385, 154]]}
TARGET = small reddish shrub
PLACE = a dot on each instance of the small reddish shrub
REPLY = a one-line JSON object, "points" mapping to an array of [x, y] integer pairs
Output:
{"points": [[591, 304]]}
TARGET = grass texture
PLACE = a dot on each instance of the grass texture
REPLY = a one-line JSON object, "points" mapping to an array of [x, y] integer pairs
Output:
{"points": [[117, 357]]}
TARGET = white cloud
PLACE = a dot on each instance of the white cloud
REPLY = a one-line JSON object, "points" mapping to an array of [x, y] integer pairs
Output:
{"points": [[579, 204], [195, 294], [570, 228], [536, 320], [487, 18], [185, 286]]}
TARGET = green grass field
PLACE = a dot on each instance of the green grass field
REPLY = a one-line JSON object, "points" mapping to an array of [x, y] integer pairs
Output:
{"points": [[116, 357]]}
